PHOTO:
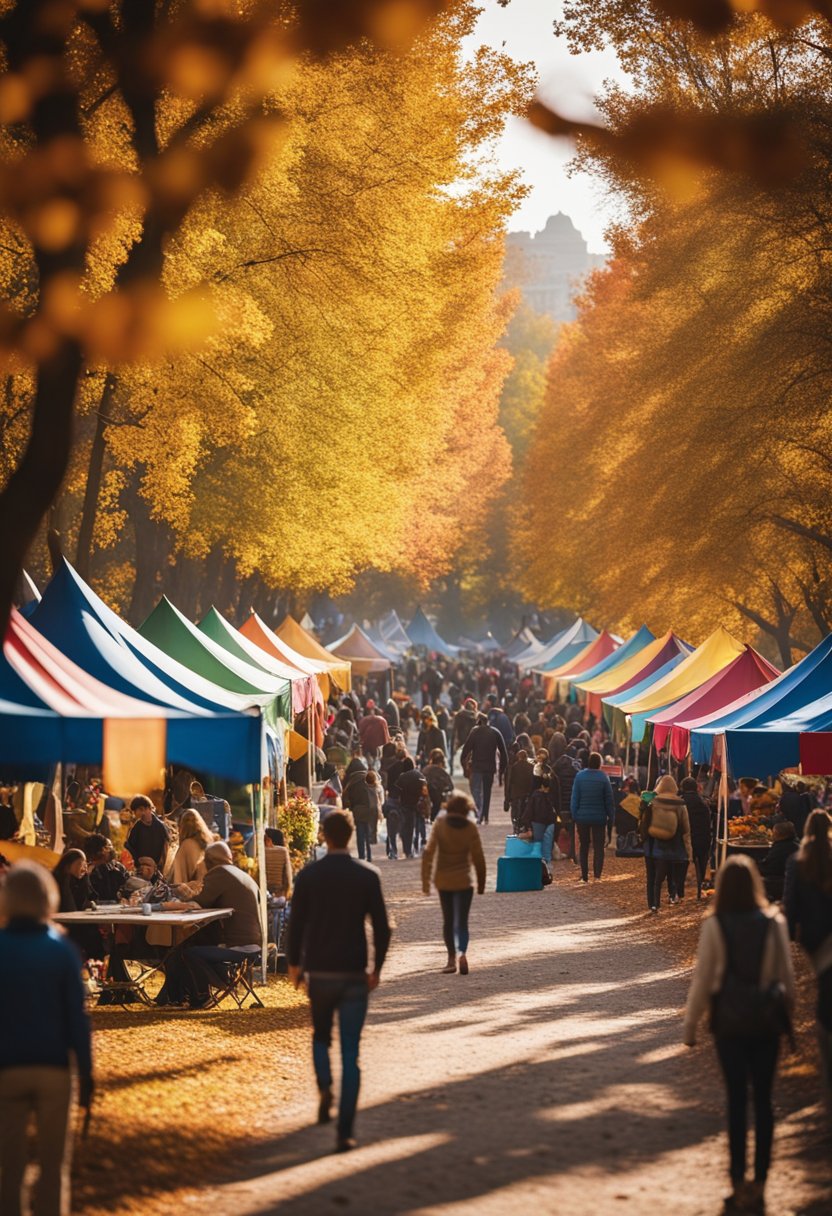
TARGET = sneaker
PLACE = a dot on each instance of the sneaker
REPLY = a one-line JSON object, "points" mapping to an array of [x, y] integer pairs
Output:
{"points": [[463, 965], [654, 911]]}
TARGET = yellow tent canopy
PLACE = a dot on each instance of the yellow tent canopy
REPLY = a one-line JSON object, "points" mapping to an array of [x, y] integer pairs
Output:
{"points": [[716, 652], [295, 635], [621, 673]]}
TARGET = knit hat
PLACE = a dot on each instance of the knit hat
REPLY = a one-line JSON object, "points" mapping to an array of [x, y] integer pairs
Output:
{"points": [[666, 785]]}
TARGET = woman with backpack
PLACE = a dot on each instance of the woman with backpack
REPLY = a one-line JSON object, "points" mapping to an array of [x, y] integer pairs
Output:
{"points": [[665, 830], [744, 974], [807, 899]]}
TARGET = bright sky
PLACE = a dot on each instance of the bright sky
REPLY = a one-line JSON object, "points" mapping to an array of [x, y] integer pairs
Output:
{"points": [[568, 82]]}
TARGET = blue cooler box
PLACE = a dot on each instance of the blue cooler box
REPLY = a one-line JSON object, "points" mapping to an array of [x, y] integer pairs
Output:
{"points": [[519, 874], [515, 847]]}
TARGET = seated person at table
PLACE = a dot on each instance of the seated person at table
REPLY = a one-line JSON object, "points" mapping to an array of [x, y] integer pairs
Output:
{"points": [[189, 971], [76, 896], [149, 836], [278, 864], [189, 862], [773, 865], [8, 816], [146, 886], [106, 875]]}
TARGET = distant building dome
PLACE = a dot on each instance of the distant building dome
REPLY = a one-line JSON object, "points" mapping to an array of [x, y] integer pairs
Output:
{"points": [[549, 266]]}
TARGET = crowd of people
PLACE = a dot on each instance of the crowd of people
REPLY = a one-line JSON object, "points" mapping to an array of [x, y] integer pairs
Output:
{"points": [[405, 768]]}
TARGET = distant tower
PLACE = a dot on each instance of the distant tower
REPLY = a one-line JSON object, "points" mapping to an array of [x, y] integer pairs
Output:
{"points": [[548, 266]]}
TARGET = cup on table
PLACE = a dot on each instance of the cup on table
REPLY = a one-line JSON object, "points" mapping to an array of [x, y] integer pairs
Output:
{"points": [[147, 909]]}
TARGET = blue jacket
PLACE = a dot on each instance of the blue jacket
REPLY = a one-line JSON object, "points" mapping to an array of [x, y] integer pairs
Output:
{"points": [[42, 1014], [592, 800]]}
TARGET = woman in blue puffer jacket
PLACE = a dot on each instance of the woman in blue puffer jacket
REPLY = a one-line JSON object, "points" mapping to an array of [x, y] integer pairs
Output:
{"points": [[593, 808]]}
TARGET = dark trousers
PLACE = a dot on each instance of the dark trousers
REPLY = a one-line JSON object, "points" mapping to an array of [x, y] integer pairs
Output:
{"points": [[456, 906], [597, 834], [420, 831], [481, 784], [349, 998], [363, 832], [700, 861], [745, 1061], [674, 872], [408, 824]]}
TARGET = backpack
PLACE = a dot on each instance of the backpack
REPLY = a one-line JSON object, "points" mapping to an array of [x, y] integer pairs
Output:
{"points": [[664, 821], [741, 1008]]}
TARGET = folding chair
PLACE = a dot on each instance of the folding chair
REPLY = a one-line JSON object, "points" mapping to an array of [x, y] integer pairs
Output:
{"points": [[236, 980]]}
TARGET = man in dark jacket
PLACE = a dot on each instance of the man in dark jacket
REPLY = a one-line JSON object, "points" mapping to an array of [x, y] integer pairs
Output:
{"points": [[464, 723], [773, 865], [486, 748], [564, 772], [410, 787], [796, 805], [332, 900], [699, 814]]}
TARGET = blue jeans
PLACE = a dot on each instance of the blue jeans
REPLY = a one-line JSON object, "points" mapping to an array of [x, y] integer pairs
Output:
{"points": [[481, 784], [362, 839], [349, 997], [545, 832], [455, 908]]}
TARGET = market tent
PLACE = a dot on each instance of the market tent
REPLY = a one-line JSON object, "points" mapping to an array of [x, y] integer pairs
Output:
{"points": [[578, 635], [633, 646], [52, 710], [627, 671], [785, 742], [615, 719], [747, 673], [422, 633], [801, 685], [172, 632], [365, 658], [258, 632], [715, 653], [305, 690], [392, 634], [523, 642], [525, 657], [571, 652], [82, 627], [307, 623], [594, 652], [303, 643]]}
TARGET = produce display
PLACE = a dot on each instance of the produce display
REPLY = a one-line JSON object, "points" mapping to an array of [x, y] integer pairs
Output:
{"points": [[748, 829]]}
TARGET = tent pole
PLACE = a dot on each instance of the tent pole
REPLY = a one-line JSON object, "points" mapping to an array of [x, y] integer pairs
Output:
{"points": [[723, 798], [310, 743], [259, 824], [649, 762]]}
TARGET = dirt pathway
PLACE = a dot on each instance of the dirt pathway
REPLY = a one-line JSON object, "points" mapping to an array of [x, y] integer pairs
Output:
{"points": [[552, 1077]]}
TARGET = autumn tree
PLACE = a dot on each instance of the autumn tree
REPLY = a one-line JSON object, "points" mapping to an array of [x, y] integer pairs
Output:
{"points": [[191, 82], [686, 428]]}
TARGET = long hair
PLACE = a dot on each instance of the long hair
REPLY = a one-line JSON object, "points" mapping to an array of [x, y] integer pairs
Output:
{"points": [[193, 827], [739, 887], [66, 860], [815, 856]]}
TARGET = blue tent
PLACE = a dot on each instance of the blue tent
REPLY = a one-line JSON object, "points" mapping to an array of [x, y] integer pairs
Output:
{"points": [[797, 688], [632, 646], [215, 732], [571, 643], [422, 633]]}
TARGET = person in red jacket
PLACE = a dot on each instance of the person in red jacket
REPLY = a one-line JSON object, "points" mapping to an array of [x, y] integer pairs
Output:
{"points": [[373, 732]]}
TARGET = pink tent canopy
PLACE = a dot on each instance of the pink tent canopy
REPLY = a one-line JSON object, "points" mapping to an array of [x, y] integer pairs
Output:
{"points": [[746, 674]]}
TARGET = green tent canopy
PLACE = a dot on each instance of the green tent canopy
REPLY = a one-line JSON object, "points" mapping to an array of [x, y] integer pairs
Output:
{"points": [[172, 632]]}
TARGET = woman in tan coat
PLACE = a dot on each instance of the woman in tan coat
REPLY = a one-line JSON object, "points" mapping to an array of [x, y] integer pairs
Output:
{"points": [[189, 862], [455, 846]]}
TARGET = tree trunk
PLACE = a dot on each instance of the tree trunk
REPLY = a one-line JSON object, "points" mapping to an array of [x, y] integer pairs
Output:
{"points": [[35, 483], [95, 472]]}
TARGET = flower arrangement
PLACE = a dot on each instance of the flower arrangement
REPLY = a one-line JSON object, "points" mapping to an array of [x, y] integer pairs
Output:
{"points": [[298, 819]]}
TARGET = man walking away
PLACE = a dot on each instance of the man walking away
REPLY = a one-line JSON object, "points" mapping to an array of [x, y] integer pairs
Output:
{"points": [[593, 807], [327, 942], [464, 722], [486, 748]]}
